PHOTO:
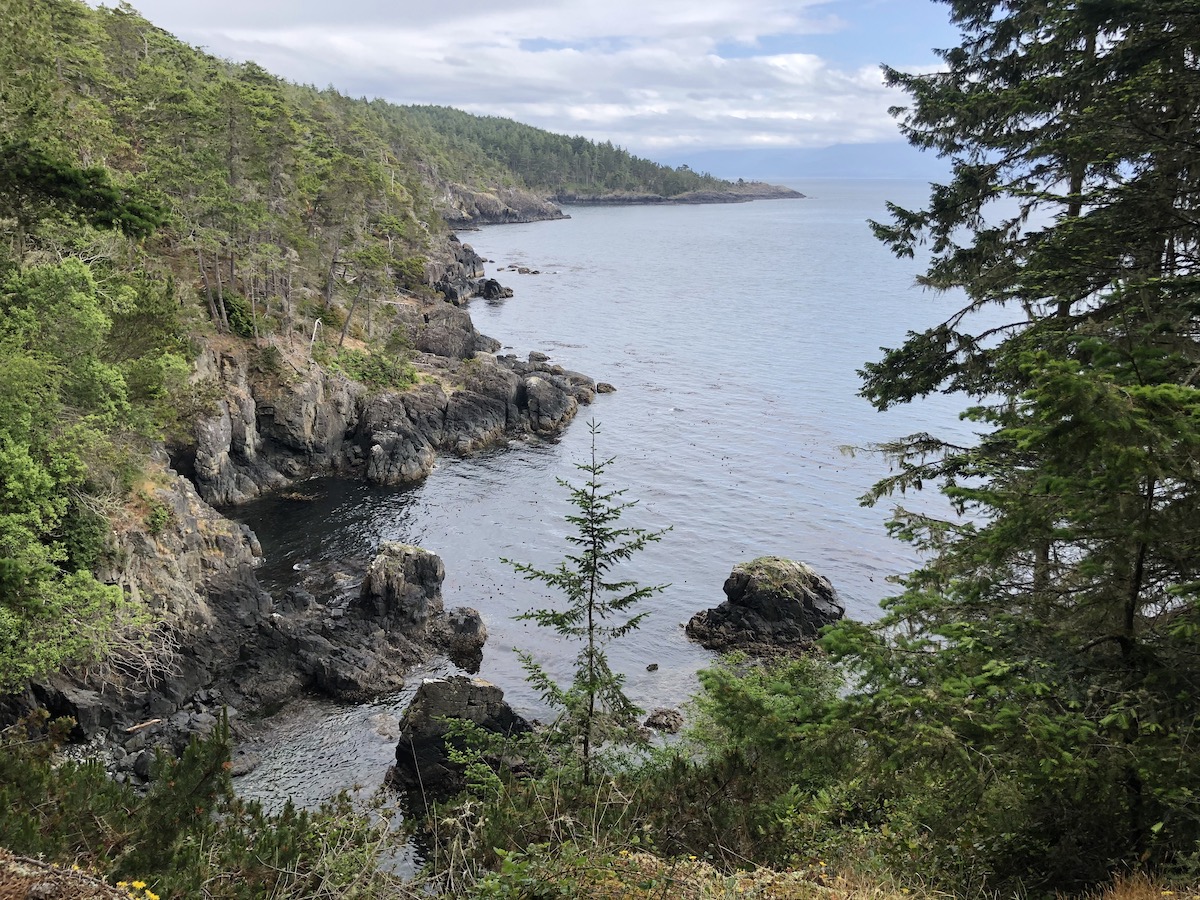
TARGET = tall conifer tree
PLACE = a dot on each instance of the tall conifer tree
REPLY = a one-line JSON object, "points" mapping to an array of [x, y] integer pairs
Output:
{"points": [[1045, 659]]}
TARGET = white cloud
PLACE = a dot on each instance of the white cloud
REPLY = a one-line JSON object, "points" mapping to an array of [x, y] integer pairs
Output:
{"points": [[646, 74]]}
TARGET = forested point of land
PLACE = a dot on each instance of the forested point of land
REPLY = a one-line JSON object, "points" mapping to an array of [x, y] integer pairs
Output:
{"points": [[557, 164]]}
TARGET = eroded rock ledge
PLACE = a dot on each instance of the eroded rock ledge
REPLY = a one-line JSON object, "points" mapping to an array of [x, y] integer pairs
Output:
{"points": [[464, 207], [268, 432], [226, 644]]}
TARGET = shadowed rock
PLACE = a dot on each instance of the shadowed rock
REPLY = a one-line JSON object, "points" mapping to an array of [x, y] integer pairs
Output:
{"points": [[423, 767], [663, 719], [461, 635]]}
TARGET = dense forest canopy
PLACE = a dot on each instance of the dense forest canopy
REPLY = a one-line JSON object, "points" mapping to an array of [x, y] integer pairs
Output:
{"points": [[558, 164]]}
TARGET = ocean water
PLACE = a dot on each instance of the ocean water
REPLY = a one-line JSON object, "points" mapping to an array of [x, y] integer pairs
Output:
{"points": [[733, 335]]}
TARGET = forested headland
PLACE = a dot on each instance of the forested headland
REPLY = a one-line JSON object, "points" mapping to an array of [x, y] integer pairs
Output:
{"points": [[1022, 719], [155, 198]]}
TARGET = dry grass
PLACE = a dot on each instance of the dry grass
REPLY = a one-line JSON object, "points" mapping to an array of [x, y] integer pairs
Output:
{"points": [[643, 876], [1139, 887]]}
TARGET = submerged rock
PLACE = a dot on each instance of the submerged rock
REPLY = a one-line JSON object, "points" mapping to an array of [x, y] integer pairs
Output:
{"points": [[423, 767], [772, 603]]}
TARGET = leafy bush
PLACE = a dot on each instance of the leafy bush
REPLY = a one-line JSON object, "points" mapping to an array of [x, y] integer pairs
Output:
{"points": [[241, 317], [410, 274], [378, 370]]}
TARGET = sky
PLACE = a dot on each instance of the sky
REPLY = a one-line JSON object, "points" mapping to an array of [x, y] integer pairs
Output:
{"points": [[662, 78]]}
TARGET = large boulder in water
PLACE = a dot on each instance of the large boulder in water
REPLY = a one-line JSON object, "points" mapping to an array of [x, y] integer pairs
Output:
{"points": [[403, 588], [772, 603], [423, 767]]}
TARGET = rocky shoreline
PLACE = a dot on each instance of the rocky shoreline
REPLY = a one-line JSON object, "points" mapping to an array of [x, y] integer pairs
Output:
{"points": [[351, 631], [466, 208], [224, 642]]}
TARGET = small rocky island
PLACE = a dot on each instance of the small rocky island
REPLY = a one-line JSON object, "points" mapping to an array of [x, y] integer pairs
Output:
{"points": [[772, 605]]}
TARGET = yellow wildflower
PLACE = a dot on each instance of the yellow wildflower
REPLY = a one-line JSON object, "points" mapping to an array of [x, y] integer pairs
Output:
{"points": [[138, 884]]}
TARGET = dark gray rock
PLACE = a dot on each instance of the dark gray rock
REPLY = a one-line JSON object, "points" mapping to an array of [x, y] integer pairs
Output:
{"points": [[455, 275], [446, 331], [142, 764], [464, 207], [461, 635], [474, 421], [423, 767], [772, 603], [491, 289], [548, 405], [403, 588], [662, 719]]}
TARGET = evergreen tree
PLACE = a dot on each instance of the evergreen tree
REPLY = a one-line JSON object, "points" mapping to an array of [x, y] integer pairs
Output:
{"points": [[594, 706], [1039, 676]]}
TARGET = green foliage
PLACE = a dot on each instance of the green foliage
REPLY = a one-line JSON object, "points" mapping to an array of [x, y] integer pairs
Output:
{"points": [[63, 400], [379, 370], [241, 319], [410, 274], [158, 517], [545, 871], [1028, 701], [33, 183], [481, 145], [594, 706], [188, 835]]}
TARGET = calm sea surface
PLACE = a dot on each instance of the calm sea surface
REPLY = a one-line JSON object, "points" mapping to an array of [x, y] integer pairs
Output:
{"points": [[732, 334]]}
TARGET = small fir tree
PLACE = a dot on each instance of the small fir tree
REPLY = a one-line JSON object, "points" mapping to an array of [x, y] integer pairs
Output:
{"points": [[594, 706]]}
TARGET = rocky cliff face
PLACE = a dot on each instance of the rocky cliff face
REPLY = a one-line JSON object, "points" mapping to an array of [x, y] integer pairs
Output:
{"points": [[223, 643], [464, 207], [221, 640], [265, 434]]}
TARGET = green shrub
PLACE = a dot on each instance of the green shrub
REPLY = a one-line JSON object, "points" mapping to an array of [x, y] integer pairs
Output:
{"points": [[83, 536], [267, 360], [241, 318], [377, 370], [188, 835], [410, 273]]}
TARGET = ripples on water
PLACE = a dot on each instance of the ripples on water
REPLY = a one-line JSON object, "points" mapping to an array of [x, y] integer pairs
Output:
{"points": [[733, 335]]}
